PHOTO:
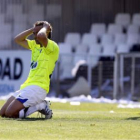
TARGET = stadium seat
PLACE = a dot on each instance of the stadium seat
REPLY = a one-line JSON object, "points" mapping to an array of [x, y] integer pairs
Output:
{"points": [[133, 29], [95, 49], [123, 48], [65, 48], [107, 39], [66, 72], [123, 19], [66, 60], [114, 29], [98, 29], [79, 57], [80, 54], [109, 49], [88, 39], [120, 39], [73, 39], [136, 19], [133, 39], [94, 54], [80, 48]]}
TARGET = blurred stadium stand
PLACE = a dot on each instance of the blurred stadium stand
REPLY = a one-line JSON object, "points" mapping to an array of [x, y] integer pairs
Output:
{"points": [[83, 34]]}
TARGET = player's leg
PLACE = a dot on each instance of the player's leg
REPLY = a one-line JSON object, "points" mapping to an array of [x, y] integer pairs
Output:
{"points": [[4, 107], [47, 112], [43, 108], [13, 109], [28, 101], [36, 96]]}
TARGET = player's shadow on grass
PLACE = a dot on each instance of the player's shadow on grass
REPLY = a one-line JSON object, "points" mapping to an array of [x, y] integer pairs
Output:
{"points": [[133, 118], [26, 119], [32, 119]]}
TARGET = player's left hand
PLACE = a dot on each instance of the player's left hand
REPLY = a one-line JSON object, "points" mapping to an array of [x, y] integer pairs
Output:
{"points": [[46, 24]]}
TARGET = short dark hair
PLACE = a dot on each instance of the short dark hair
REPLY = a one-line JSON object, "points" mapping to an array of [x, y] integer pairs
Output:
{"points": [[40, 23]]}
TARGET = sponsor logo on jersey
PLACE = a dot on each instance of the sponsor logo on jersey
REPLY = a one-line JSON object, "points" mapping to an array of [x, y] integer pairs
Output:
{"points": [[33, 65]]}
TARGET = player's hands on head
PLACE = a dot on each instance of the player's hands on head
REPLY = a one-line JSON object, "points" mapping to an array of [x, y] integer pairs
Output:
{"points": [[47, 25], [36, 29]]}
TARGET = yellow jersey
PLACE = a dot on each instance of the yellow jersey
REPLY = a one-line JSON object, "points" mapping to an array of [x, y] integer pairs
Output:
{"points": [[43, 61]]}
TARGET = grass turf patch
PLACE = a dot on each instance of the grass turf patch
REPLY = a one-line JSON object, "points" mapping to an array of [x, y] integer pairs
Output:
{"points": [[84, 122]]}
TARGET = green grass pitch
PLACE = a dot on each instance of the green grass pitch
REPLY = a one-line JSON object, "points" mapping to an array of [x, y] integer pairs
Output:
{"points": [[88, 121]]}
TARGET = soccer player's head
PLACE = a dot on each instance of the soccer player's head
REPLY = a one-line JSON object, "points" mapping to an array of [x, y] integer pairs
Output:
{"points": [[41, 23]]}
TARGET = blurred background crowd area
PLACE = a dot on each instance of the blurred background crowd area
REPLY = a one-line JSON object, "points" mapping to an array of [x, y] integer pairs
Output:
{"points": [[89, 33], [71, 16]]}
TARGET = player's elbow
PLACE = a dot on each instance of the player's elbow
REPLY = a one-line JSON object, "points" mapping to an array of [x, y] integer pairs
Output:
{"points": [[16, 40], [41, 37]]}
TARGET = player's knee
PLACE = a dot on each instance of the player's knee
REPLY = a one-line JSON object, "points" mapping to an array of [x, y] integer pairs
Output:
{"points": [[9, 114], [2, 114]]}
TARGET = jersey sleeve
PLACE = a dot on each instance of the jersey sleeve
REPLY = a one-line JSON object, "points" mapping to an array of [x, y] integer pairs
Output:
{"points": [[49, 48], [53, 48], [31, 44]]}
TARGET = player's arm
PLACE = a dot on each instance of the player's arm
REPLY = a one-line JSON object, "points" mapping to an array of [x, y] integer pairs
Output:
{"points": [[21, 38], [42, 35]]}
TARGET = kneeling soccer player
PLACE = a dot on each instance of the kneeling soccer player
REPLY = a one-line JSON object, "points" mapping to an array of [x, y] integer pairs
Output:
{"points": [[31, 96]]}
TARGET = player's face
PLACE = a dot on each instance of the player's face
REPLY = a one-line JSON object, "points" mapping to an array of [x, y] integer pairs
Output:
{"points": [[35, 31]]}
